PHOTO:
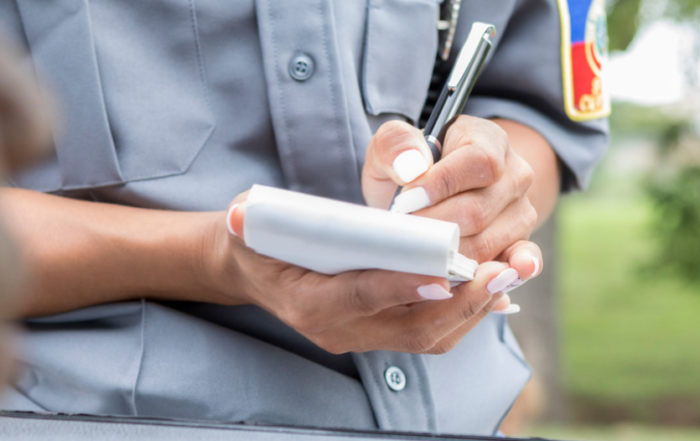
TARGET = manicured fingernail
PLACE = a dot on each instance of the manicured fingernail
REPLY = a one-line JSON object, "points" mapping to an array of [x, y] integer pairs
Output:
{"points": [[229, 218], [511, 309], [501, 281], [537, 265], [409, 165], [411, 200], [516, 283], [434, 292]]}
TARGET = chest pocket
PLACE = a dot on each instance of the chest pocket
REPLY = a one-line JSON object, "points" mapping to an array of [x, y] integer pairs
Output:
{"points": [[130, 85], [400, 50]]}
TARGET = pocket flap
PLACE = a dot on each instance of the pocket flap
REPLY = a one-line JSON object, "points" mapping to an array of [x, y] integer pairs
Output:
{"points": [[400, 51]]}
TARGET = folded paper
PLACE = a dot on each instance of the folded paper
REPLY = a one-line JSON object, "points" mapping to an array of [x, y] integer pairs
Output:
{"points": [[331, 237]]}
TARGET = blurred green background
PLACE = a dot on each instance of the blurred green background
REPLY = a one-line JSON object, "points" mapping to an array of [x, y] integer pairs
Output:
{"points": [[628, 256]]}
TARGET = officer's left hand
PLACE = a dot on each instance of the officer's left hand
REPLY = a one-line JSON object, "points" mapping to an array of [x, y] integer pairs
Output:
{"points": [[480, 183]]}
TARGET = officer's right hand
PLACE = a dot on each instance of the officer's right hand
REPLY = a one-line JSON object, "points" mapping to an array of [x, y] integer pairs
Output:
{"points": [[358, 310]]}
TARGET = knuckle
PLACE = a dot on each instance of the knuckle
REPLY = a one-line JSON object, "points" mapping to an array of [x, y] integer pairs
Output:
{"points": [[485, 166], [418, 341], [530, 217], [358, 301], [444, 184], [476, 307], [390, 131], [526, 177], [472, 309], [496, 166], [500, 135], [482, 248], [476, 214], [490, 162]]}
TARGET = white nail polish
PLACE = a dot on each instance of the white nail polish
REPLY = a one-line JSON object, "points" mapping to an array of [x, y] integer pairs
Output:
{"points": [[434, 292], [409, 165], [501, 281], [228, 219], [511, 309], [516, 283], [411, 200], [537, 265]]}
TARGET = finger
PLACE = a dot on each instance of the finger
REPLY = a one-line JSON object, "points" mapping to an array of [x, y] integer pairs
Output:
{"points": [[511, 309], [235, 216], [396, 155], [470, 169], [365, 309], [525, 257], [430, 323], [365, 293], [494, 286], [474, 156], [502, 304], [474, 210], [516, 222], [473, 131]]}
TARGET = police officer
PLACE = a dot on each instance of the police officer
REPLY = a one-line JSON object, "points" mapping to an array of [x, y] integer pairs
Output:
{"points": [[144, 304]]}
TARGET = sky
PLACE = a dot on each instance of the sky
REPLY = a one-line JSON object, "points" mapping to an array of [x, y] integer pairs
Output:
{"points": [[651, 71]]}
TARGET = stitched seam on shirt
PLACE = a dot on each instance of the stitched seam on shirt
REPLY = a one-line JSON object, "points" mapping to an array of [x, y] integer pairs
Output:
{"points": [[382, 383], [141, 356], [425, 393], [103, 106], [285, 132], [330, 80], [198, 51], [369, 360], [205, 90]]}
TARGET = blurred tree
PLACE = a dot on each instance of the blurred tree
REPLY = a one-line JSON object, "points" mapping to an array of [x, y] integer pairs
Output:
{"points": [[625, 17], [674, 188], [674, 184], [677, 224], [623, 22]]}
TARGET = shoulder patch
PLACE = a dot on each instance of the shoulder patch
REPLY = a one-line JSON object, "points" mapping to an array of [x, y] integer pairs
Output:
{"points": [[584, 54]]}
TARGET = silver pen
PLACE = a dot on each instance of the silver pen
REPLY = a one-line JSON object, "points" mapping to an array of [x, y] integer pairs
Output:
{"points": [[458, 86]]}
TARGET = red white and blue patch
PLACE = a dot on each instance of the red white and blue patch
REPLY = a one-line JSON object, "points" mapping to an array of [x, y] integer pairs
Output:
{"points": [[584, 56]]}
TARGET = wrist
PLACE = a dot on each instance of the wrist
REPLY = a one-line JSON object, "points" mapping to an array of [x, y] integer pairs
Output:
{"points": [[218, 275]]}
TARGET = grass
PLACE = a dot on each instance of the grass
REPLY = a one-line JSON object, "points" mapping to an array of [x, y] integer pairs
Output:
{"points": [[630, 338]]}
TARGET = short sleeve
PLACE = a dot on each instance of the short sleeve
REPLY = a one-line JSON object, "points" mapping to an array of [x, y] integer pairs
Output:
{"points": [[524, 81]]}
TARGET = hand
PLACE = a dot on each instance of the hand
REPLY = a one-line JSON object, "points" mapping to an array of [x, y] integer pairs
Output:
{"points": [[357, 310], [480, 183]]}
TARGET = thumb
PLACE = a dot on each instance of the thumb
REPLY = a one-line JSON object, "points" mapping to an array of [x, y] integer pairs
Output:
{"points": [[236, 215], [396, 155]]}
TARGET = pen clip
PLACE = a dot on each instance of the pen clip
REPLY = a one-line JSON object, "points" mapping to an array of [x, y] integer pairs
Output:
{"points": [[480, 33]]}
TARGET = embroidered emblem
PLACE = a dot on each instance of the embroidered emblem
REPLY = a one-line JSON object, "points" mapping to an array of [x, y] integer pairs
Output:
{"points": [[584, 50]]}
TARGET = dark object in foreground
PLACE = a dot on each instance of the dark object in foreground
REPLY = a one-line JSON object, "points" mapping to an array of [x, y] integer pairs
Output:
{"points": [[27, 425]]}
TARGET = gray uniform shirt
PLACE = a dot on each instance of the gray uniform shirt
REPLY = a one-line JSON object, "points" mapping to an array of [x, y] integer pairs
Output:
{"points": [[183, 104]]}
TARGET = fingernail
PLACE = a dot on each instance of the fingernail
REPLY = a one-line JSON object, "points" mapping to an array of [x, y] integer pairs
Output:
{"points": [[502, 280], [411, 200], [537, 265], [511, 309], [409, 165], [516, 283], [229, 215], [434, 292]]}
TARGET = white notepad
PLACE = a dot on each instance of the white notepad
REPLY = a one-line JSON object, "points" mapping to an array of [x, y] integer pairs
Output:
{"points": [[331, 237]]}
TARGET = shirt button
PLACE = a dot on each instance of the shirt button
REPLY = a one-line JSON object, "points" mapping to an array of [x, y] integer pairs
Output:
{"points": [[301, 67], [395, 378]]}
